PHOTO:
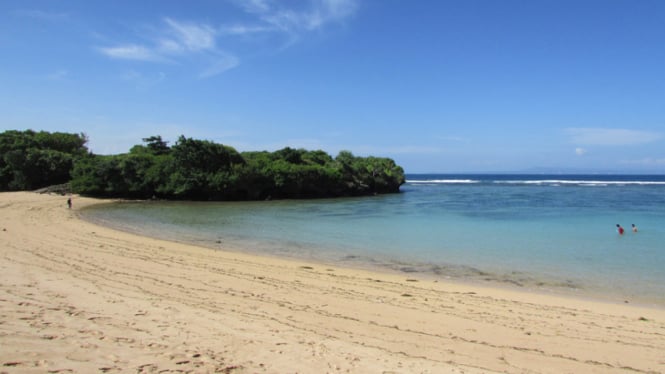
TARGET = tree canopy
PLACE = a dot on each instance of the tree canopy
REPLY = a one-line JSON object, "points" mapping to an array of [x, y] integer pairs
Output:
{"points": [[191, 169], [31, 160]]}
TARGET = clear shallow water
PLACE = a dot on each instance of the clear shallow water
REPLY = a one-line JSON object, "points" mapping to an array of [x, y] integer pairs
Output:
{"points": [[535, 231]]}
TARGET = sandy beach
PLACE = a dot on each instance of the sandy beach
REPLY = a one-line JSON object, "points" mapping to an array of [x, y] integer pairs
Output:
{"points": [[81, 298]]}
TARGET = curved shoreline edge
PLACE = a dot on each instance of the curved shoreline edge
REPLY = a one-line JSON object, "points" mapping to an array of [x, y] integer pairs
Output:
{"points": [[522, 280], [85, 298]]}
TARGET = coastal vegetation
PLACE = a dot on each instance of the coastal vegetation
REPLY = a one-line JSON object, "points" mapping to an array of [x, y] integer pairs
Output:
{"points": [[191, 169], [31, 160]]}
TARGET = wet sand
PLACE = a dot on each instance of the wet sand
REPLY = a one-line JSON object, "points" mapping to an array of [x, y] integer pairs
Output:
{"points": [[76, 297]]}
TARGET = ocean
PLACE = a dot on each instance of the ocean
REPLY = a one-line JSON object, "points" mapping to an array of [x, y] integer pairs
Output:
{"points": [[546, 233]]}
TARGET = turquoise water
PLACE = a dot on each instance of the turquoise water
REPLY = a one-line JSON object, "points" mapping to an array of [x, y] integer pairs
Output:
{"points": [[548, 233]]}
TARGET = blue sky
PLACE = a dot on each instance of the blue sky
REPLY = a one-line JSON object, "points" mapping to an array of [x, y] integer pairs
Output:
{"points": [[439, 86]]}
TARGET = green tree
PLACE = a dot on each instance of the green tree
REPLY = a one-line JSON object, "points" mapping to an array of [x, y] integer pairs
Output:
{"points": [[30, 160], [156, 145], [204, 170], [99, 176]]}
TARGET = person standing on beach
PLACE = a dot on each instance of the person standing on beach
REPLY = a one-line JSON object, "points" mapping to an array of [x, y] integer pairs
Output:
{"points": [[619, 229], [69, 203], [634, 227]]}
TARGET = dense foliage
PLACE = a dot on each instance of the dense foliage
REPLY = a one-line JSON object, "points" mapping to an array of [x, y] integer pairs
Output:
{"points": [[203, 170], [31, 160], [191, 169]]}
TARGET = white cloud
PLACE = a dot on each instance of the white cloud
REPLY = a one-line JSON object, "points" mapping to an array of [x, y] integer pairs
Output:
{"points": [[603, 136], [182, 43], [580, 151], [190, 37], [169, 47], [221, 64], [130, 52], [315, 16], [185, 43], [244, 30], [255, 6], [338, 9]]}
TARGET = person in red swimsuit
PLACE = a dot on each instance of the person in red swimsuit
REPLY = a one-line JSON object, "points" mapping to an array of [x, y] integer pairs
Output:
{"points": [[619, 229]]}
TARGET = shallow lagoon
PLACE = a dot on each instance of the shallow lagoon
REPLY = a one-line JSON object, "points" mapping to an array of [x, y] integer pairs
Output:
{"points": [[547, 233]]}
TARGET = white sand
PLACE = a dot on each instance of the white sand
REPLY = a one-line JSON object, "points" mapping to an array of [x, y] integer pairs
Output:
{"points": [[76, 297]]}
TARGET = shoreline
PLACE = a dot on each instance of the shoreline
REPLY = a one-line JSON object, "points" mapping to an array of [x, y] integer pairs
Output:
{"points": [[82, 297], [466, 275]]}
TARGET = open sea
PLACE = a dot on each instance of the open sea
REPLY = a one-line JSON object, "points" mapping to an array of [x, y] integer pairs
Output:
{"points": [[547, 233]]}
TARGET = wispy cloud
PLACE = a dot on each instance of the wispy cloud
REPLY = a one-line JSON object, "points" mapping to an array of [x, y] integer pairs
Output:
{"points": [[255, 6], [185, 43], [287, 23], [176, 42], [239, 29], [188, 37], [131, 52], [315, 15], [611, 137], [222, 63]]}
